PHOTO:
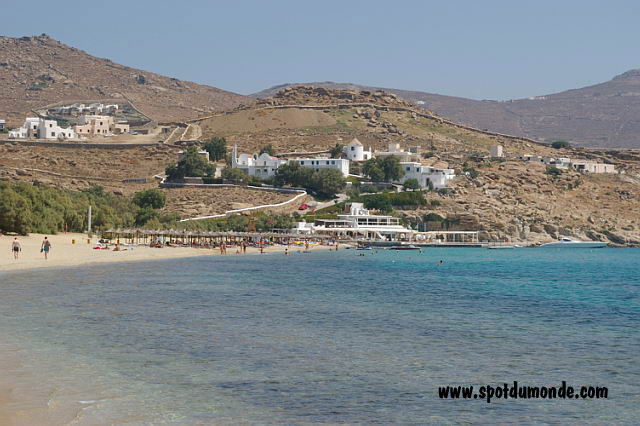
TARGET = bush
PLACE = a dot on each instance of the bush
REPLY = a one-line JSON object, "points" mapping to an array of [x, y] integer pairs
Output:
{"points": [[378, 202], [26, 208], [471, 172], [553, 171], [560, 144], [411, 184], [152, 198], [210, 180], [234, 175]]}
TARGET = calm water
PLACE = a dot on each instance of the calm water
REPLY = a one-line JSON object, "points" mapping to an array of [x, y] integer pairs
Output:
{"points": [[334, 338]]}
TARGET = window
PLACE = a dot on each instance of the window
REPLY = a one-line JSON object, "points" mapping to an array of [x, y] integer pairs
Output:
{"points": [[327, 161], [302, 163], [333, 161], [353, 148], [408, 168], [50, 125], [53, 133]]}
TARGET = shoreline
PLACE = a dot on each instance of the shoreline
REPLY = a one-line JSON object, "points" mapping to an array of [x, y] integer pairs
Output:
{"points": [[64, 253]]}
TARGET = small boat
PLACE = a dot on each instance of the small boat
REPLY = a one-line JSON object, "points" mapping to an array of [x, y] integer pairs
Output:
{"points": [[501, 247], [407, 247], [364, 248], [566, 242]]}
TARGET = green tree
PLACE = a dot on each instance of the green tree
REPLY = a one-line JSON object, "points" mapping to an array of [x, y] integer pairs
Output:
{"points": [[217, 148], [392, 169], [371, 169], [191, 164], [328, 182], [268, 149], [293, 174], [411, 184], [234, 175], [151, 198], [385, 169], [560, 144], [336, 151], [144, 215]]}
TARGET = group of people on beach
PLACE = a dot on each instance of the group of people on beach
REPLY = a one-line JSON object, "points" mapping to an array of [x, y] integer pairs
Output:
{"points": [[16, 248]]}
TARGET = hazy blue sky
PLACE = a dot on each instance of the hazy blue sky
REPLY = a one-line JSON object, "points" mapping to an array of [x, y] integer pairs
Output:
{"points": [[478, 49]]}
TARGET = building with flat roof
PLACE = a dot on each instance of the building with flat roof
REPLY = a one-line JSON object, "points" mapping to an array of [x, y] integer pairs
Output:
{"points": [[427, 176], [41, 128], [90, 125], [318, 164]]}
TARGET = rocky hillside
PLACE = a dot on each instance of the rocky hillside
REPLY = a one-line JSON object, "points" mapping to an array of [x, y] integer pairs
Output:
{"points": [[604, 115], [508, 199], [37, 71]]}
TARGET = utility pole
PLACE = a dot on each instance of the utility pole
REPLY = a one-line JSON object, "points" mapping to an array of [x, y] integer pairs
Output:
{"points": [[89, 221]]}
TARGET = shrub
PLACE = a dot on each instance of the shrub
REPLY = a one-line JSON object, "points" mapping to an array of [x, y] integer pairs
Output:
{"points": [[412, 184], [234, 175], [471, 172], [152, 198], [378, 202], [560, 144], [553, 171]]}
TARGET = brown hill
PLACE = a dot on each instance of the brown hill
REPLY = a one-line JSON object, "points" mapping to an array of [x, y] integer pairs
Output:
{"points": [[604, 115], [508, 199], [37, 71]]}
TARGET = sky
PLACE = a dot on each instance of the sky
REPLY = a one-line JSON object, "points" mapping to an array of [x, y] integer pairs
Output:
{"points": [[490, 49]]}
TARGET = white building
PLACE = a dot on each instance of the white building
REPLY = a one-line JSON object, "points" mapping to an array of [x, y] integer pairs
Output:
{"points": [[357, 222], [559, 163], [496, 151], [425, 175], [40, 128], [584, 166], [318, 164], [263, 165], [2, 124], [355, 151], [394, 150]]}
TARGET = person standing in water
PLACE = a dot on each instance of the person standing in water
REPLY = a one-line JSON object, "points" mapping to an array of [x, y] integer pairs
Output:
{"points": [[46, 246], [16, 248]]}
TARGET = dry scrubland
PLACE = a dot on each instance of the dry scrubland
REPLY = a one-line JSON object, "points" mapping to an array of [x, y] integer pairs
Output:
{"points": [[194, 202]]}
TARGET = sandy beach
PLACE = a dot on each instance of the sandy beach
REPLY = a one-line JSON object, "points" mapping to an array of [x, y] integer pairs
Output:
{"points": [[65, 253]]}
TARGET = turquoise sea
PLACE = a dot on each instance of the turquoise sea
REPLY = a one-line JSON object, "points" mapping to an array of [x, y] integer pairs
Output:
{"points": [[331, 337]]}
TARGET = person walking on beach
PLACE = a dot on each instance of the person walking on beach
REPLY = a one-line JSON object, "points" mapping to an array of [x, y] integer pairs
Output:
{"points": [[244, 247], [46, 246], [16, 248]]}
